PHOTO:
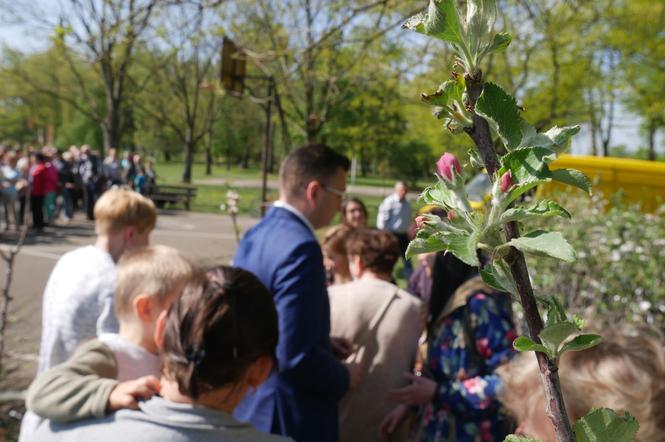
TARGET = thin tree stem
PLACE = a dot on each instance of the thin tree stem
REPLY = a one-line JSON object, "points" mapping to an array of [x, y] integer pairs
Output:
{"points": [[556, 409]]}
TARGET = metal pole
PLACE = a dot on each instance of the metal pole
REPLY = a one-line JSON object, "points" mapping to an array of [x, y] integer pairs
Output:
{"points": [[266, 147]]}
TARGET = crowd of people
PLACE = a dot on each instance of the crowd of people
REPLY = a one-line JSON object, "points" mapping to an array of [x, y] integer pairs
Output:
{"points": [[300, 340], [54, 183]]}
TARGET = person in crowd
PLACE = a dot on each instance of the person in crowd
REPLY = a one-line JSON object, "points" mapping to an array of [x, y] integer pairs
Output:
{"points": [[91, 175], [38, 186], [420, 282], [78, 302], [216, 343], [300, 399], [470, 335], [128, 168], [354, 213], [138, 182], [383, 323], [51, 183], [112, 168], [150, 176], [103, 374], [67, 180], [335, 260], [435, 266], [79, 192], [9, 192], [23, 185], [395, 216], [625, 372]]}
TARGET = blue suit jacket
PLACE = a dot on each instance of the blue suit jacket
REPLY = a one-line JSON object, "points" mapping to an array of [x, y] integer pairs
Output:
{"points": [[300, 398]]}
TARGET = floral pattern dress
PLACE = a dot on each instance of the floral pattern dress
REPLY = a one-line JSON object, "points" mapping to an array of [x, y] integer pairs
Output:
{"points": [[465, 408]]}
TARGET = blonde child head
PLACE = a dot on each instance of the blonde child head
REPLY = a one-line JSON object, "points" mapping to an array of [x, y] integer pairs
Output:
{"points": [[149, 279], [625, 372], [119, 208]]}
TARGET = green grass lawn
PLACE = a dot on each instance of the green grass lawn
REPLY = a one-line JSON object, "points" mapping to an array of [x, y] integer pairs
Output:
{"points": [[171, 173]]}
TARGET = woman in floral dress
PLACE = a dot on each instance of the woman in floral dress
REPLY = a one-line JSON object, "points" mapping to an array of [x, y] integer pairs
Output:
{"points": [[457, 394]]}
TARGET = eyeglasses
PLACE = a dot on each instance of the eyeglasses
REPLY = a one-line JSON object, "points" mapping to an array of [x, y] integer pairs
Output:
{"points": [[339, 193]]}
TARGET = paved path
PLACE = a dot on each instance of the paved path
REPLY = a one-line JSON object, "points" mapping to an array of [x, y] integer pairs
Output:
{"points": [[273, 184], [207, 238]]}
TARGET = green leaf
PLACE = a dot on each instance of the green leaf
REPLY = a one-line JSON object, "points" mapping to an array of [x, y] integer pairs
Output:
{"points": [[425, 244], [445, 95], [555, 311], [529, 164], [553, 335], [556, 138], [581, 342], [572, 177], [561, 136], [487, 273], [462, 245], [480, 18], [440, 21], [439, 195], [465, 247], [495, 276], [515, 438], [603, 424], [499, 43], [524, 343], [542, 209], [543, 243], [500, 109]]}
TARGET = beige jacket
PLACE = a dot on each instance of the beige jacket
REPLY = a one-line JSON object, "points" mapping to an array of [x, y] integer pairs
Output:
{"points": [[387, 351]]}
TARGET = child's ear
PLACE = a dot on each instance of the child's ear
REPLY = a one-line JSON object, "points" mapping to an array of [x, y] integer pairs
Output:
{"points": [[144, 308], [159, 329], [129, 233], [259, 371]]}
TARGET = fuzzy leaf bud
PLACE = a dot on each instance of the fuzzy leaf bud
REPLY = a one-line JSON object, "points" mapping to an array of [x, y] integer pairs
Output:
{"points": [[506, 181]]}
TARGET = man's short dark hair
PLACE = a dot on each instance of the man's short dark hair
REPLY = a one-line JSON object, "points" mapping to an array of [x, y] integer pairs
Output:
{"points": [[312, 162]]}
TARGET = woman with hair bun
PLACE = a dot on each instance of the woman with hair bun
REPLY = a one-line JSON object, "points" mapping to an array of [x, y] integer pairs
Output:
{"points": [[216, 342]]}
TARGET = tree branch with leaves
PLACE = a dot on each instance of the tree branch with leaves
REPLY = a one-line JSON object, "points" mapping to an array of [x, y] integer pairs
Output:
{"points": [[469, 104]]}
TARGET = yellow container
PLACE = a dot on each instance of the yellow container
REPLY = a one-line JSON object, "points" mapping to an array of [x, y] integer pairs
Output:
{"points": [[637, 181]]}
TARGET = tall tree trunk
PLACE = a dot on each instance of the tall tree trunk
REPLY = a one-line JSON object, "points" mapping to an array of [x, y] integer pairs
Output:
{"points": [[593, 122], [310, 114], [209, 152], [652, 139], [245, 158], [189, 159], [284, 128]]}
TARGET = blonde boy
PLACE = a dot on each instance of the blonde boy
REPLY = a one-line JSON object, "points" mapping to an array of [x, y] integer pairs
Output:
{"points": [[115, 370], [78, 298]]}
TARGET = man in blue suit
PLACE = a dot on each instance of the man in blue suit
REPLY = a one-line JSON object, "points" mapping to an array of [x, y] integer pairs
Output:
{"points": [[299, 399]]}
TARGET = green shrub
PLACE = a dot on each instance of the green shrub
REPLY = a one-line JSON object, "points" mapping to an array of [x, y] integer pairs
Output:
{"points": [[619, 274]]}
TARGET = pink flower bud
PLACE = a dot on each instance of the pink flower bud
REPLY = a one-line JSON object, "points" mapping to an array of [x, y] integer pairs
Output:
{"points": [[420, 221], [446, 164], [506, 181], [452, 215]]}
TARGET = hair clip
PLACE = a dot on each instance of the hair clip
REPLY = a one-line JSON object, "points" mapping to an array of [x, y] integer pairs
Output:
{"points": [[195, 355]]}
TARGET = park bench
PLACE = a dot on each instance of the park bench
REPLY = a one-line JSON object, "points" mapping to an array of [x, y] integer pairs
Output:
{"points": [[172, 194]]}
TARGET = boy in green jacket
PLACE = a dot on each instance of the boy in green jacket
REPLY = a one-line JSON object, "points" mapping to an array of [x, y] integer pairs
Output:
{"points": [[114, 371]]}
